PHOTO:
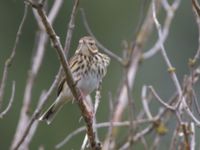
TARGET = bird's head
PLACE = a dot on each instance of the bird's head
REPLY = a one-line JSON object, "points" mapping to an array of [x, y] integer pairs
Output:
{"points": [[87, 46]]}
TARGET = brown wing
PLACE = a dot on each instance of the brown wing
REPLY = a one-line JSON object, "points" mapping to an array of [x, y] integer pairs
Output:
{"points": [[73, 65], [60, 85]]}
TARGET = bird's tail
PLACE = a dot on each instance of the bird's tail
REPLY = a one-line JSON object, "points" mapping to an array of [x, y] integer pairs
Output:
{"points": [[51, 112]]}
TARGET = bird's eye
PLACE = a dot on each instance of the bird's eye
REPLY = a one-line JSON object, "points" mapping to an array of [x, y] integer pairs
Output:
{"points": [[91, 43]]}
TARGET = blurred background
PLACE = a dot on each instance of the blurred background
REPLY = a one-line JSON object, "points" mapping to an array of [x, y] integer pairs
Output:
{"points": [[112, 21]]}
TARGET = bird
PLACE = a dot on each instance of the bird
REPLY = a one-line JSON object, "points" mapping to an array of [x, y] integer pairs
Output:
{"points": [[88, 67]]}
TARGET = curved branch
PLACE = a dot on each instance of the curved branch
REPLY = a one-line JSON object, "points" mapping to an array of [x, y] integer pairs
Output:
{"points": [[25, 122], [10, 101], [107, 51], [87, 115], [8, 62], [101, 125]]}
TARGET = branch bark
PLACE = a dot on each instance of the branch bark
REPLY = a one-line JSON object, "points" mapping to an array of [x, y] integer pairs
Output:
{"points": [[25, 121], [141, 39], [87, 115]]}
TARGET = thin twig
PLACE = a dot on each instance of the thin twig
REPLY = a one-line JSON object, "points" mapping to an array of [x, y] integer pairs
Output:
{"points": [[173, 142], [197, 122], [9, 61], [184, 127], [141, 39], [156, 142], [100, 125], [54, 10], [71, 26], [107, 144], [37, 112], [196, 104], [25, 122], [34, 124], [145, 102], [193, 136], [131, 109], [150, 127], [107, 51], [196, 9], [163, 51], [87, 115], [160, 100], [32, 75], [170, 11], [10, 101], [138, 136], [118, 124], [83, 146], [144, 142], [96, 105]]}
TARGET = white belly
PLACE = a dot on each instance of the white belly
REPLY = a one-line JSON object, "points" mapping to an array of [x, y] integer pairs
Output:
{"points": [[88, 83]]}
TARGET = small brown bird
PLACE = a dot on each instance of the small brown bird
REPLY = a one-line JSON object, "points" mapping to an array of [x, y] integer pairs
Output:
{"points": [[88, 67]]}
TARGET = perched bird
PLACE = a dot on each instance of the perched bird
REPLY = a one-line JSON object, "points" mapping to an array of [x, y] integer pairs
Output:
{"points": [[88, 67]]}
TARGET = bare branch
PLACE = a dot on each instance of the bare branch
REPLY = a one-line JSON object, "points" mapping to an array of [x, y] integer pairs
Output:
{"points": [[156, 142], [181, 108], [171, 69], [71, 26], [196, 6], [138, 136], [107, 144], [145, 102], [196, 104], [32, 75], [173, 142], [83, 146], [107, 51], [131, 103], [118, 124], [100, 125], [32, 126], [76, 93], [193, 134], [185, 131], [24, 120], [44, 98], [196, 9], [144, 142], [141, 39], [10, 101], [8, 62], [196, 121], [96, 105], [55, 10], [165, 30], [160, 100]]}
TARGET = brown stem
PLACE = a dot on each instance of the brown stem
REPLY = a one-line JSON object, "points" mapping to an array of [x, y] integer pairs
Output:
{"points": [[87, 115]]}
